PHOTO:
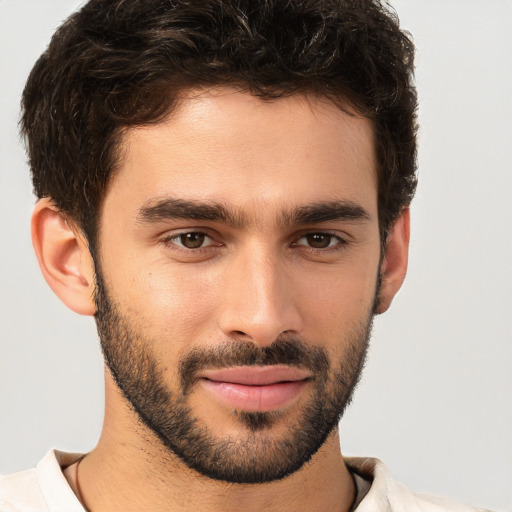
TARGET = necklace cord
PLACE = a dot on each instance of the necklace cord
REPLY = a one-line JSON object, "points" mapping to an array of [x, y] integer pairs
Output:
{"points": [[82, 500], [78, 489]]}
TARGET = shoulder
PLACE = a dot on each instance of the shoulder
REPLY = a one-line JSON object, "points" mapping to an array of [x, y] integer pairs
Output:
{"points": [[40, 489], [21, 492], [388, 495]]}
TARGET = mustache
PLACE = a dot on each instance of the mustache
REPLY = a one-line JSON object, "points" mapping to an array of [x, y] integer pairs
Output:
{"points": [[290, 352]]}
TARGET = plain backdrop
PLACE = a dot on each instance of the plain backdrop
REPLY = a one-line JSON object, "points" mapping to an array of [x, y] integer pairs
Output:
{"points": [[435, 402]]}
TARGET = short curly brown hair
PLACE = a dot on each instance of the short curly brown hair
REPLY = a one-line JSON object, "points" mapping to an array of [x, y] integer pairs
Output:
{"points": [[119, 63]]}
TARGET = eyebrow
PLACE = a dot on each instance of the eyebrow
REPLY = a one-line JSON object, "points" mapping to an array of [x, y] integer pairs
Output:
{"points": [[327, 211], [168, 208]]}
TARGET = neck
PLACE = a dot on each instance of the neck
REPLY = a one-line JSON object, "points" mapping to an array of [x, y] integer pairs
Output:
{"points": [[130, 470]]}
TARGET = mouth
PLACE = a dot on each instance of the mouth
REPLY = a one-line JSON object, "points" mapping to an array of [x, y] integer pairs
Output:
{"points": [[255, 388]]}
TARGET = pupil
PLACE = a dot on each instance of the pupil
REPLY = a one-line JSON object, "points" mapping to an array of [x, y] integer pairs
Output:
{"points": [[192, 240], [319, 241]]}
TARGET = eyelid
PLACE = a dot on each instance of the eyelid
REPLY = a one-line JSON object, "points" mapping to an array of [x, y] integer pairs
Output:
{"points": [[341, 240], [171, 239]]}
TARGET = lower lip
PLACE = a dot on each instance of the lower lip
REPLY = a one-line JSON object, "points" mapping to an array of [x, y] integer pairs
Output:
{"points": [[255, 398]]}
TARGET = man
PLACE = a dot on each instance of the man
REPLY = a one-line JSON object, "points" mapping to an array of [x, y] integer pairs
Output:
{"points": [[225, 187]]}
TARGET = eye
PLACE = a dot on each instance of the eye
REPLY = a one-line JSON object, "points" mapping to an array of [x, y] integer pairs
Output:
{"points": [[320, 240], [190, 240]]}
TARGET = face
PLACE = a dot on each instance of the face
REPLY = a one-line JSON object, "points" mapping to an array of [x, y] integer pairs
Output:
{"points": [[237, 275]]}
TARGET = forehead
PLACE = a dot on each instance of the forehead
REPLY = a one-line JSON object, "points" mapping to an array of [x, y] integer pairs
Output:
{"points": [[232, 147]]}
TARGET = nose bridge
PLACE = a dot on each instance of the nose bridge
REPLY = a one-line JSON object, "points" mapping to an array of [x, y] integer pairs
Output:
{"points": [[259, 296]]}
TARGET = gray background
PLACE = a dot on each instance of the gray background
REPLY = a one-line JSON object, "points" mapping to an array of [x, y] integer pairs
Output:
{"points": [[435, 403]]}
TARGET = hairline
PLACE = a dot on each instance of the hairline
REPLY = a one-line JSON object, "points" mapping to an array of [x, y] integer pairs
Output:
{"points": [[119, 149]]}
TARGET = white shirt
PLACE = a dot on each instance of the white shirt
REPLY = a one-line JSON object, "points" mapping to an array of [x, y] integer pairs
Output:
{"points": [[386, 495], [45, 489]]}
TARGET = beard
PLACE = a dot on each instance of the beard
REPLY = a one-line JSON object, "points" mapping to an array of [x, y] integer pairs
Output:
{"points": [[257, 454]]}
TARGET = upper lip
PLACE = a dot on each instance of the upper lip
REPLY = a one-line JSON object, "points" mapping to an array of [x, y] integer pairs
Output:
{"points": [[256, 375]]}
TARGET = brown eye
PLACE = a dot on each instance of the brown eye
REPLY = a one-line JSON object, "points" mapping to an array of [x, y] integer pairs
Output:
{"points": [[192, 240], [319, 240]]}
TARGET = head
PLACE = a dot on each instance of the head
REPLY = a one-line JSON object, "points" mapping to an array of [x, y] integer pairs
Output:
{"points": [[265, 98], [117, 64]]}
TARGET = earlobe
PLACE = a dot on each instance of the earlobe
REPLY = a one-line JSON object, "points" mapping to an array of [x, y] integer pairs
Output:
{"points": [[64, 257], [394, 264]]}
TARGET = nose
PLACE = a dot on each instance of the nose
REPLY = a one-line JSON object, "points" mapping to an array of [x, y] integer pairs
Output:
{"points": [[259, 302]]}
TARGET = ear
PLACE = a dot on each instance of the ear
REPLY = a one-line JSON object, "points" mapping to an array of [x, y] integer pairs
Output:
{"points": [[394, 264], [64, 258]]}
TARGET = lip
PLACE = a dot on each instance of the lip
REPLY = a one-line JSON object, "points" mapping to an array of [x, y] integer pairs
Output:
{"points": [[256, 375], [255, 388]]}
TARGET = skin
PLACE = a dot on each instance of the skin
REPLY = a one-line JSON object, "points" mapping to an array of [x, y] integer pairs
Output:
{"points": [[255, 281]]}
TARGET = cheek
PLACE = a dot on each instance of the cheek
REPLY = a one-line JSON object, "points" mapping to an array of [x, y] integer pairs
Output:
{"points": [[171, 304], [338, 302]]}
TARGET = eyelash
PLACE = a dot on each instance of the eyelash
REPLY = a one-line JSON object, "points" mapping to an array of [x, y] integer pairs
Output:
{"points": [[340, 242], [173, 239]]}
